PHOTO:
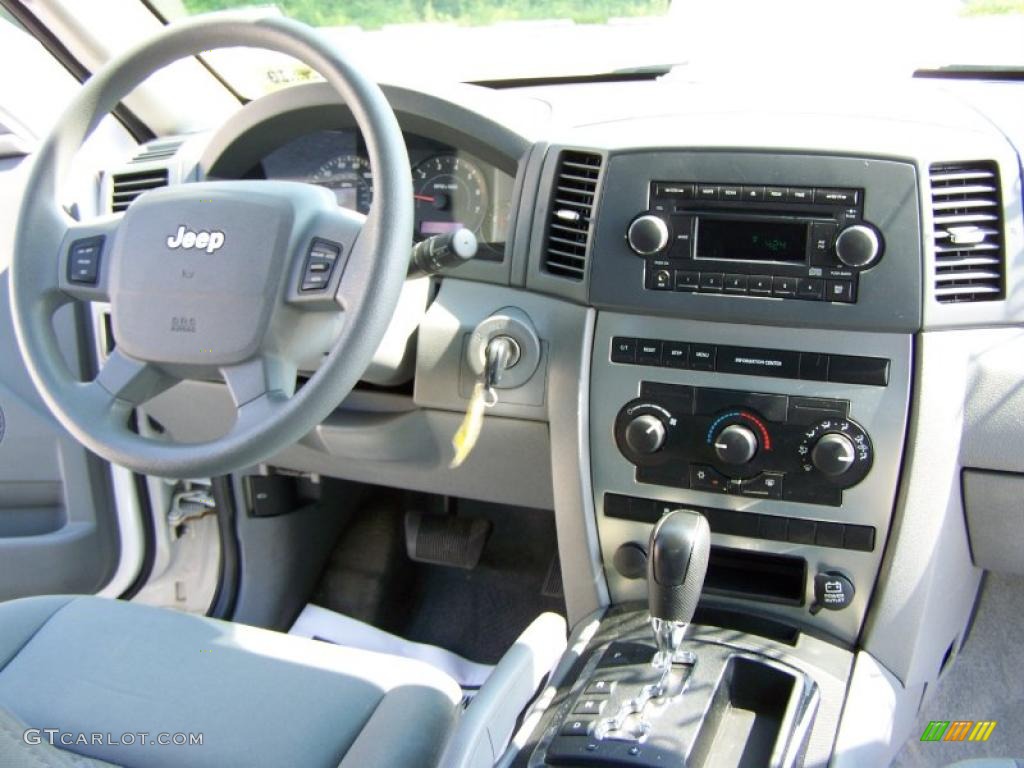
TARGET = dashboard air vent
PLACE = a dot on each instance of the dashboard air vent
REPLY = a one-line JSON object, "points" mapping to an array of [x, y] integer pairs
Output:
{"points": [[967, 211], [158, 150], [572, 207], [127, 186]]}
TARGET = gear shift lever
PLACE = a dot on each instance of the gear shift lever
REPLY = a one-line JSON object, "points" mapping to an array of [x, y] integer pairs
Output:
{"points": [[676, 566]]}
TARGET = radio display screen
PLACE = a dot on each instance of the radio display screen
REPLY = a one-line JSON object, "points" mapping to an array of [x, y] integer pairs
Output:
{"points": [[750, 240]]}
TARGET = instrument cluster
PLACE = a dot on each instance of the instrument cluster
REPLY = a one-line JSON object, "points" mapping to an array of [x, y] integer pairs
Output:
{"points": [[451, 188]]}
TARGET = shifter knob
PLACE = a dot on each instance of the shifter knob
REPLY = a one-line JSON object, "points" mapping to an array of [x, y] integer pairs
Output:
{"points": [[676, 565]]}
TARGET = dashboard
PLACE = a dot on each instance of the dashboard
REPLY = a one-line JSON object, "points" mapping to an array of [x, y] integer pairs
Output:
{"points": [[452, 188], [802, 320]]}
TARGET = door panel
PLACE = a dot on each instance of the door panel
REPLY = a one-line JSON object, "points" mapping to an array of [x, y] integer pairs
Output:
{"points": [[58, 527], [58, 522]]}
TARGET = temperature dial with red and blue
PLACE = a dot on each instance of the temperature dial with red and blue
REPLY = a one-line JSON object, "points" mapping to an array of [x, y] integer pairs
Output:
{"points": [[737, 437]]}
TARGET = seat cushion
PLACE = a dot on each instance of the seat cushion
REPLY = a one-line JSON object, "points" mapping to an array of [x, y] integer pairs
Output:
{"points": [[21, 747], [88, 665]]}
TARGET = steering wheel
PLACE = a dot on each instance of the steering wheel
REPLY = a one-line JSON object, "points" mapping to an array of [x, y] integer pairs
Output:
{"points": [[231, 279]]}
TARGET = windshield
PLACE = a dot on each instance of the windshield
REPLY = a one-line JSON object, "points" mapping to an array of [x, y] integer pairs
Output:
{"points": [[480, 40]]}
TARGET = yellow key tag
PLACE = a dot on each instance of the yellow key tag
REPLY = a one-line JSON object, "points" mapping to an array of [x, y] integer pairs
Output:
{"points": [[469, 431]]}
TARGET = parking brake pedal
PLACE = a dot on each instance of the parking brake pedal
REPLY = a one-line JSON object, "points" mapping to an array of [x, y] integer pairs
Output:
{"points": [[445, 539]]}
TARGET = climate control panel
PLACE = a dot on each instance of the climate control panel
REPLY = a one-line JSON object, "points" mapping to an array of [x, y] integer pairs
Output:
{"points": [[803, 449]]}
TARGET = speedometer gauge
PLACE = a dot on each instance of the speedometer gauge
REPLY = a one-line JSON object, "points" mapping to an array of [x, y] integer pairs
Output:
{"points": [[351, 180], [450, 193]]}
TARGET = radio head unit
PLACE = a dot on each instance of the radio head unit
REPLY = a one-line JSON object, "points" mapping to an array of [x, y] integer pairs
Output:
{"points": [[780, 241]]}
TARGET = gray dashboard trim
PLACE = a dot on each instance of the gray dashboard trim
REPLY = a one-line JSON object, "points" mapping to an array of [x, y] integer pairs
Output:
{"points": [[566, 331], [525, 195], [450, 117], [440, 118], [927, 584], [579, 547]]}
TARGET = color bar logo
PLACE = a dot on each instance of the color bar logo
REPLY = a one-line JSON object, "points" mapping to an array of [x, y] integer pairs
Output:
{"points": [[958, 730]]}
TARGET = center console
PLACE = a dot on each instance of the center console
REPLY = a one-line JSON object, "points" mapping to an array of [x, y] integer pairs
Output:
{"points": [[752, 361], [751, 369]]}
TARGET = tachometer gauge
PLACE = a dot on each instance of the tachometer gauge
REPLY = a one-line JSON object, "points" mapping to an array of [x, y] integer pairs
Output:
{"points": [[450, 193], [351, 180]]}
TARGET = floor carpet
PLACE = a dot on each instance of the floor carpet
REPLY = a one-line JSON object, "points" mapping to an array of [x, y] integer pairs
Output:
{"points": [[986, 682]]}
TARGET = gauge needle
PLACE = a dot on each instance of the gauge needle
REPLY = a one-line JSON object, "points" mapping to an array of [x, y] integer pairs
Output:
{"points": [[425, 198]]}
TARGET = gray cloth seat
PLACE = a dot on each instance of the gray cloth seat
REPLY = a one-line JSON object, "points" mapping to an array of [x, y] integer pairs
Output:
{"points": [[87, 665]]}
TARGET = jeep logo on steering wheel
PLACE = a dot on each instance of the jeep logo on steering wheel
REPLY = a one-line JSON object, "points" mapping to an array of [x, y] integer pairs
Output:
{"points": [[186, 238]]}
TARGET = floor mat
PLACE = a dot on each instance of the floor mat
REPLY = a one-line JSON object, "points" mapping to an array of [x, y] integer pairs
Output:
{"points": [[321, 624], [480, 613], [986, 682], [476, 614]]}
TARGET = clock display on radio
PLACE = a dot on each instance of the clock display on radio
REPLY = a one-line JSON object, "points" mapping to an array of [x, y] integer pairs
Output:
{"points": [[728, 239]]}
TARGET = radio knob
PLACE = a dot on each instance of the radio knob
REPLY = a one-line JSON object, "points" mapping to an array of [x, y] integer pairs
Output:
{"points": [[735, 444], [833, 454], [647, 235], [645, 434], [858, 246]]}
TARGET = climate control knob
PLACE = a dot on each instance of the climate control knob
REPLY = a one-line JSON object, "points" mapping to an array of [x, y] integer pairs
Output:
{"points": [[736, 444], [647, 235], [645, 434], [833, 454], [859, 246]]}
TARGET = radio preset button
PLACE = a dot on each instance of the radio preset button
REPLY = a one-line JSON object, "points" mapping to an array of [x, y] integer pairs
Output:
{"points": [[730, 193], [687, 281], [760, 284], [735, 283], [776, 194], [712, 281], [783, 286], [800, 195], [839, 290], [707, 191], [810, 288]]}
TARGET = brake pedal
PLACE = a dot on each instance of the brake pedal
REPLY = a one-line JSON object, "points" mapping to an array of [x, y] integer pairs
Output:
{"points": [[448, 540]]}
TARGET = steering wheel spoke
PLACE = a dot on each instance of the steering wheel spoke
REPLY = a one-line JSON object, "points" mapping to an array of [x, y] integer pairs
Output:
{"points": [[264, 377], [132, 381]]}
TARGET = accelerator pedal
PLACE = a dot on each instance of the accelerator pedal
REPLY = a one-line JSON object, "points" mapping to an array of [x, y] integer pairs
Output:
{"points": [[448, 540]]}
